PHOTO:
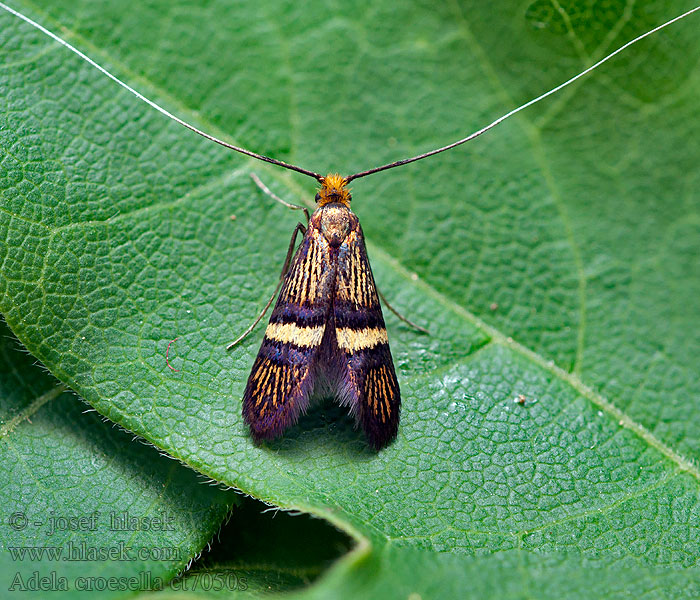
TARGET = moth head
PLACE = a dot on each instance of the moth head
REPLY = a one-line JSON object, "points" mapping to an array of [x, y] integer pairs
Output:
{"points": [[333, 189]]}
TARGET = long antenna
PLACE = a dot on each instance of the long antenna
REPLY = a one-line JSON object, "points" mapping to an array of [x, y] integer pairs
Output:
{"points": [[477, 133], [160, 109], [318, 176]]}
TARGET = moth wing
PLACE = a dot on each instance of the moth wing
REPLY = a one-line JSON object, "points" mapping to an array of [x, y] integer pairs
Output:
{"points": [[366, 379], [282, 377]]}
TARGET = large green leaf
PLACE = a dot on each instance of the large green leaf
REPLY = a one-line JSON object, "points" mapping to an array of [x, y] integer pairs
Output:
{"points": [[555, 258]]}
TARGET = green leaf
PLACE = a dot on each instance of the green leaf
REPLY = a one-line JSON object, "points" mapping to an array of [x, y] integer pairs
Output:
{"points": [[553, 259], [84, 502]]}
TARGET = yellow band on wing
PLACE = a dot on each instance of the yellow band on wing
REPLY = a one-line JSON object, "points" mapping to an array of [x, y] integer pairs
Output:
{"points": [[359, 339], [290, 333]]}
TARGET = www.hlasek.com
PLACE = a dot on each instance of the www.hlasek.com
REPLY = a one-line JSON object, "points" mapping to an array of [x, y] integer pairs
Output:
{"points": [[82, 551]]}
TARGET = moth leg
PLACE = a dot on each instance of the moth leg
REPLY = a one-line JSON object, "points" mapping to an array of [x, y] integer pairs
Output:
{"points": [[290, 251], [400, 316], [269, 192], [285, 268]]}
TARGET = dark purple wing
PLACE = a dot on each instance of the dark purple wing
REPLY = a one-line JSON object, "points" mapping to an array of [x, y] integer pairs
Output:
{"points": [[365, 376], [282, 377]]}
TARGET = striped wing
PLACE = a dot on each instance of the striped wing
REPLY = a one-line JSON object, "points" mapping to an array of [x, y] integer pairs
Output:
{"points": [[367, 379], [282, 377]]}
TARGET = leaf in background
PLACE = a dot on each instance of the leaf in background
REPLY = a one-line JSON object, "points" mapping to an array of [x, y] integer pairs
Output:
{"points": [[572, 229], [262, 549], [69, 479]]}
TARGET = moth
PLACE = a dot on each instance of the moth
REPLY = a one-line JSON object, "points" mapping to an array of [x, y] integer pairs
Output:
{"points": [[326, 333]]}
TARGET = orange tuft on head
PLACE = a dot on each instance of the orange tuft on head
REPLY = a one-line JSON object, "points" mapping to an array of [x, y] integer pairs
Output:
{"points": [[333, 190]]}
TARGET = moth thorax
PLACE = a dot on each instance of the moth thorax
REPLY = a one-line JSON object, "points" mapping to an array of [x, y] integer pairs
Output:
{"points": [[335, 223]]}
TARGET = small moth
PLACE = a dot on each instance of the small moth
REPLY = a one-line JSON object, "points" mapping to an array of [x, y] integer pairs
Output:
{"points": [[326, 333]]}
